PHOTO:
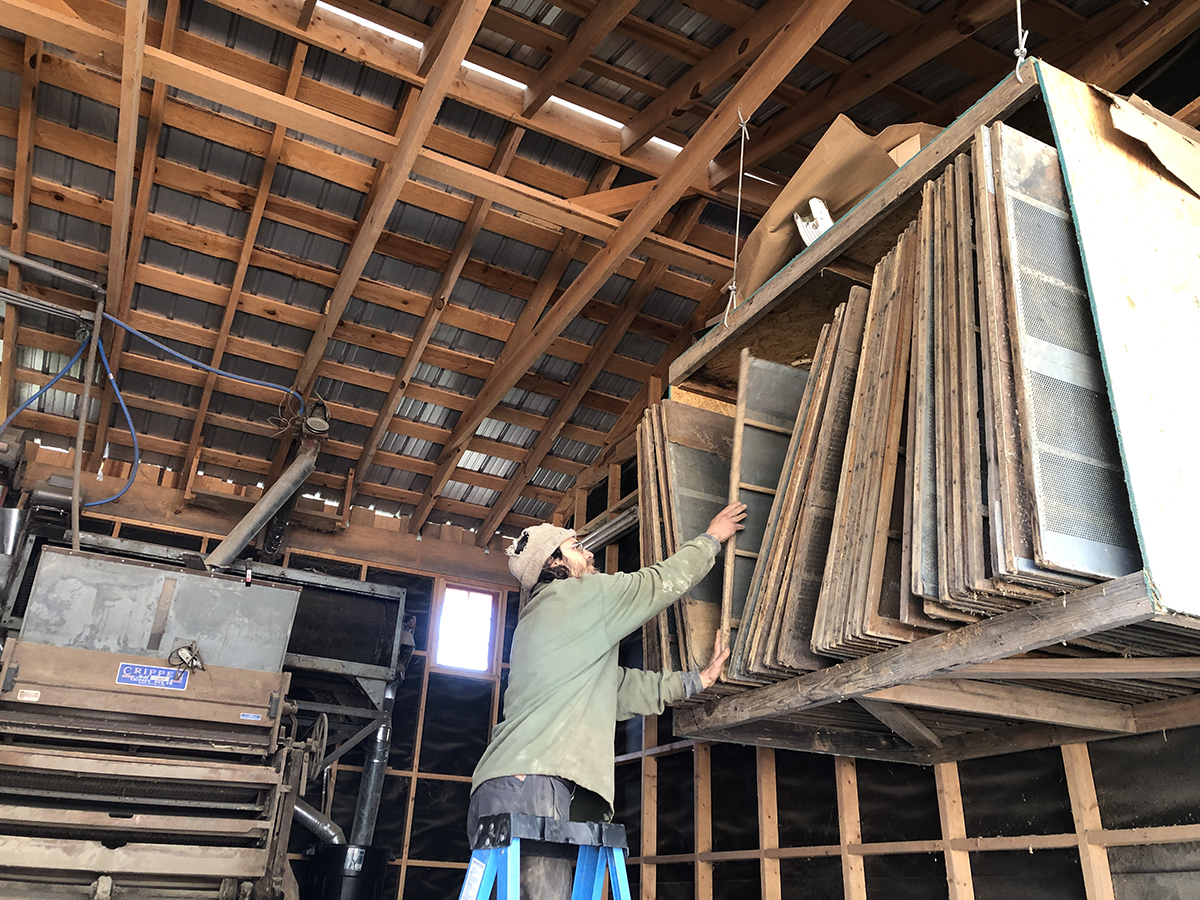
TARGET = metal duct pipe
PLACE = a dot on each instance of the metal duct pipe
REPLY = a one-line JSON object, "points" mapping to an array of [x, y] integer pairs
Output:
{"points": [[318, 823], [289, 482], [377, 749]]}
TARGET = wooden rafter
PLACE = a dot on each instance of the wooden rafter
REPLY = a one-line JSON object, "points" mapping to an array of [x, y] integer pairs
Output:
{"points": [[394, 170], [601, 355], [595, 27], [947, 25], [22, 183], [1138, 43], [243, 263], [776, 60], [505, 151], [553, 272]]}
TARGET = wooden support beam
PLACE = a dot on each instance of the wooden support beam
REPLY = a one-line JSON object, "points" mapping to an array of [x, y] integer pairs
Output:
{"points": [[1122, 601], [1085, 809], [1138, 43], [1190, 114], [649, 810], [595, 27], [854, 877], [702, 812], [947, 25], [393, 175], [785, 50], [600, 356], [435, 42], [901, 721], [1149, 668], [22, 184], [730, 56], [505, 151], [1013, 701], [954, 827], [768, 824]]}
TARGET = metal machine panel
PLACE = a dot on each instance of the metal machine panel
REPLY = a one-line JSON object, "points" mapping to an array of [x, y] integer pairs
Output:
{"points": [[143, 609]]}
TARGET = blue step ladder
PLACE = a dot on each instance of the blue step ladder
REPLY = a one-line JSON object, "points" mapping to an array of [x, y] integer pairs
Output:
{"points": [[496, 856]]}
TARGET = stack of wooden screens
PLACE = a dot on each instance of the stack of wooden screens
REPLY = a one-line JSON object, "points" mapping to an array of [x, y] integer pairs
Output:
{"points": [[684, 462]]}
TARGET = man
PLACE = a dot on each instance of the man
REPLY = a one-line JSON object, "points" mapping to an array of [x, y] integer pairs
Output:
{"points": [[553, 753]]}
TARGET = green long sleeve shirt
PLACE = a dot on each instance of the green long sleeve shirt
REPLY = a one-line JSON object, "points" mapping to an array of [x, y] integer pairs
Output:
{"points": [[566, 691]]}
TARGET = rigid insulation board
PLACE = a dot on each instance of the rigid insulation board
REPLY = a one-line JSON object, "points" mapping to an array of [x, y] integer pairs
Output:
{"points": [[1139, 254], [1082, 522], [94, 602]]}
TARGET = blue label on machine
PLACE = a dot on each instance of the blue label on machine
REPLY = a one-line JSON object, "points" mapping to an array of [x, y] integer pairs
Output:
{"points": [[152, 676]]}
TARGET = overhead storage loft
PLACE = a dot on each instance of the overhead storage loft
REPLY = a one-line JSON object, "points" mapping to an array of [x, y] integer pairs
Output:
{"points": [[981, 508]]}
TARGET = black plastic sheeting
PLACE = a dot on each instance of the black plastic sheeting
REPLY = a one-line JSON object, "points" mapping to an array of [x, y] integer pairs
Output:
{"points": [[431, 884], [439, 826], [404, 716], [1148, 780], [806, 797], [676, 882], [1156, 872], [512, 604], [812, 878], [676, 804], [897, 802], [734, 798], [393, 808], [458, 715], [741, 880], [909, 876], [417, 601], [1021, 793], [364, 633], [1021, 875], [627, 804]]}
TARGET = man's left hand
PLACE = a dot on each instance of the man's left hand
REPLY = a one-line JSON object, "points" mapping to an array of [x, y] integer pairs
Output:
{"points": [[710, 673]]}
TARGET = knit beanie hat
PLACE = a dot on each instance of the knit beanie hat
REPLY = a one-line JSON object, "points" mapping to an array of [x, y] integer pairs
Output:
{"points": [[533, 546]]}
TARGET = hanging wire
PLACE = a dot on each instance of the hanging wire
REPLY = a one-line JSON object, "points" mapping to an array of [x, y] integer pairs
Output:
{"points": [[1022, 36], [49, 384], [732, 303], [137, 452], [207, 368]]}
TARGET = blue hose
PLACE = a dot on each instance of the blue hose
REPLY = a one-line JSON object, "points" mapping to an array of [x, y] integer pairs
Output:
{"points": [[199, 365], [137, 453]]}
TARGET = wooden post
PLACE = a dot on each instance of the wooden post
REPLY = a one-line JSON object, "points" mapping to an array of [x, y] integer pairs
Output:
{"points": [[648, 882], [614, 497], [1085, 808], [950, 809], [702, 793], [854, 878], [768, 824]]}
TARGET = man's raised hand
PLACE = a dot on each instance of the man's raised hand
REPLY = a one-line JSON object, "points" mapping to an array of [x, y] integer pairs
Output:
{"points": [[728, 522]]}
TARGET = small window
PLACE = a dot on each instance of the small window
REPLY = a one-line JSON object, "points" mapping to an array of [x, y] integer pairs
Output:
{"points": [[465, 630]]}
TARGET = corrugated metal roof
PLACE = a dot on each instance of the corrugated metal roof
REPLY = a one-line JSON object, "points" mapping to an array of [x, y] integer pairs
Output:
{"points": [[402, 274], [251, 446], [469, 493], [270, 332], [363, 358], [10, 89], [352, 76], [77, 112], [850, 38], [228, 28], [337, 149], [384, 318], [206, 155], [447, 380], [293, 291], [509, 253], [406, 445], [321, 193], [935, 80], [488, 465], [473, 295], [616, 385], [612, 291], [555, 369], [577, 451], [534, 508], [670, 307], [543, 14], [587, 417], [70, 229], [423, 225], [293, 241], [510, 49], [347, 394], [552, 480], [585, 331], [164, 389], [555, 154], [681, 20], [176, 307], [72, 173], [506, 433], [474, 123], [231, 112], [8, 156], [427, 413], [530, 402], [463, 341]]}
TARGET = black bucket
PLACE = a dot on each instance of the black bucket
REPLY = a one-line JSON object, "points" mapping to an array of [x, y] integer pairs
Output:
{"points": [[347, 872]]}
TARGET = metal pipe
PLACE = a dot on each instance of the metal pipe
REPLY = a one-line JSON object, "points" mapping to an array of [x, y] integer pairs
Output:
{"points": [[289, 482], [80, 431], [371, 787], [51, 270], [318, 823]]}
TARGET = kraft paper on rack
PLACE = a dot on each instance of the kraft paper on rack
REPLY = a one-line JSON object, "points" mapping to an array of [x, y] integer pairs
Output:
{"points": [[844, 167]]}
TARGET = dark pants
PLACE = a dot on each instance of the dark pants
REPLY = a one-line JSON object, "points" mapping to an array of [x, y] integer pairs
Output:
{"points": [[545, 868]]}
